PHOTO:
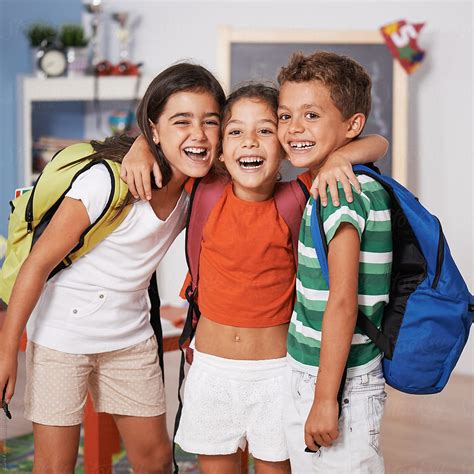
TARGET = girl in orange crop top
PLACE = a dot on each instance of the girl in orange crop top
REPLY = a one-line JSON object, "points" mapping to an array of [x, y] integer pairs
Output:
{"points": [[246, 293]]}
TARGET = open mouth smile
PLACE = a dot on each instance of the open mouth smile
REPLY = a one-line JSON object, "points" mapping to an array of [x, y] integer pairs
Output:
{"points": [[251, 162], [197, 153], [302, 146]]}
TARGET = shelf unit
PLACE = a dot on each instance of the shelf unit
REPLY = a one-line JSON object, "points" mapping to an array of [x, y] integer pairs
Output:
{"points": [[34, 89]]}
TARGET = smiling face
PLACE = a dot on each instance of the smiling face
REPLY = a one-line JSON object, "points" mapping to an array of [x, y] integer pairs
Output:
{"points": [[188, 133], [310, 126], [251, 150]]}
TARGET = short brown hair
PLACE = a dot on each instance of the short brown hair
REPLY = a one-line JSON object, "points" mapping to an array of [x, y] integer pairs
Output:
{"points": [[348, 82]]}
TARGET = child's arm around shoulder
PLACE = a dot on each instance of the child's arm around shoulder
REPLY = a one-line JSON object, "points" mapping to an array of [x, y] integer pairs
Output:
{"points": [[59, 238], [343, 227], [338, 167], [137, 166]]}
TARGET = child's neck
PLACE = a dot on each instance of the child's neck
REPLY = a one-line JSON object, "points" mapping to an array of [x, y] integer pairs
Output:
{"points": [[262, 193], [176, 183], [164, 200], [315, 169]]}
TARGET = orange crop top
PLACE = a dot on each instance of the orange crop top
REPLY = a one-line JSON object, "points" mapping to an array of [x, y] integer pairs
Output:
{"points": [[246, 269]]}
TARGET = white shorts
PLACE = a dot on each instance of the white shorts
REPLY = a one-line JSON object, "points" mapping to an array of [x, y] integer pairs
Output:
{"points": [[228, 403], [357, 450]]}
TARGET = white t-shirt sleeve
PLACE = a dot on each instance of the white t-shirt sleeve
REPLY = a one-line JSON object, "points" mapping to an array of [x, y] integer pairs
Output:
{"points": [[93, 188]]}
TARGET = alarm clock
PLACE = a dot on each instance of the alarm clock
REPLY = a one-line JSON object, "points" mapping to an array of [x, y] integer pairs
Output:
{"points": [[53, 62]]}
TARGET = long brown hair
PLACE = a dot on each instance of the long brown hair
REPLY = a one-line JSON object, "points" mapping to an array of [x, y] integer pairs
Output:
{"points": [[180, 77]]}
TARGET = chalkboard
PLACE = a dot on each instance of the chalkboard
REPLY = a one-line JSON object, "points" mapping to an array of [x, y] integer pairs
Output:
{"points": [[245, 59]]}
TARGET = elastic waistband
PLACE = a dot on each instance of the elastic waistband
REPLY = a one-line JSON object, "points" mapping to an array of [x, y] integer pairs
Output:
{"points": [[240, 369]]}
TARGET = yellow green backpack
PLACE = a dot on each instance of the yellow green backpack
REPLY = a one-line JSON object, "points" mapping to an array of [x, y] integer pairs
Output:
{"points": [[32, 211]]}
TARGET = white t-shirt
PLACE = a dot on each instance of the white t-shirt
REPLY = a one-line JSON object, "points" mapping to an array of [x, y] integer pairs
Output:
{"points": [[100, 303]]}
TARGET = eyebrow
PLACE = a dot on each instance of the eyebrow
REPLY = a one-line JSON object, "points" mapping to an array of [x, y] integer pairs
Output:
{"points": [[260, 121], [304, 106], [190, 115]]}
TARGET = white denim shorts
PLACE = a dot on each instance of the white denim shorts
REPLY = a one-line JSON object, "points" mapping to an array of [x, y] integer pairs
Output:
{"points": [[357, 450], [121, 382], [229, 403]]}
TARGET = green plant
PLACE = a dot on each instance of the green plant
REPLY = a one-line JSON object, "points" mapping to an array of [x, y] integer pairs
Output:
{"points": [[37, 33], [73, 36]]}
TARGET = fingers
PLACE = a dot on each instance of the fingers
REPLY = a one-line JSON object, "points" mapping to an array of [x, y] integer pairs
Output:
{"points": [[334, 192], [323, 193], [146, 184], [309, 441], [318, 438], [322, 438], [129, 179], [353, 180], [346, 185], [131, 185], [10, 390], [314, 188], [157, 175], [138, 182], [123, 173], [326, 440]]}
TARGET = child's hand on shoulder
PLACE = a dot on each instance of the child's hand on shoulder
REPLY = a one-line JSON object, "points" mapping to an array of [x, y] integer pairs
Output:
{"points": [[136, 169], [321, 426], [337, 168]]}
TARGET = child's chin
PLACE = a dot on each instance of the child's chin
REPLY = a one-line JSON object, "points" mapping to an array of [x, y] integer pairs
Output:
{"points": [[198, 171], [301, 162]]}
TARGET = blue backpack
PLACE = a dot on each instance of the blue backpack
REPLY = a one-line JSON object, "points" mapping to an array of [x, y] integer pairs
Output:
{"points": [[427, 320]]}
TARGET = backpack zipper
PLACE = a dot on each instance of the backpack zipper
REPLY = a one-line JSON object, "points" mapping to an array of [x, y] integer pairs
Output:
{"points": [[440, 257], [29, 210], [29, 206]]}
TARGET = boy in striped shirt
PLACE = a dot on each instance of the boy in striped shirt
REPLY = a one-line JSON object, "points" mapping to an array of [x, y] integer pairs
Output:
{"points": [[324, 104]]}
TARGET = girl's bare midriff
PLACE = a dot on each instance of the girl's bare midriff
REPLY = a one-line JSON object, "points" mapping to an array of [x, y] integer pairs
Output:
{"points": [[232, 342]]}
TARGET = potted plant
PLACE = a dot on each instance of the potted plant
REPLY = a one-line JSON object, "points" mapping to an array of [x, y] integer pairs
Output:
{"points": [[40, 36], [74, 40]]}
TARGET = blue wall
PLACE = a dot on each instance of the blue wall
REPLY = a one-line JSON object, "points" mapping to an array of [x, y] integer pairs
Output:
{"points": [[15, 59]]}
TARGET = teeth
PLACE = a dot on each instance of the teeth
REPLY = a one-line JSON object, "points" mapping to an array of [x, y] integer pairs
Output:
{"points": [[196, 150], [249, 159], [301, 145], [250, 162]]}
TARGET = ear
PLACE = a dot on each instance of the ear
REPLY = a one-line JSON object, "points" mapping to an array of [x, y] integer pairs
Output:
{"points": [[154, 131], [355, 124], [221, 158]]}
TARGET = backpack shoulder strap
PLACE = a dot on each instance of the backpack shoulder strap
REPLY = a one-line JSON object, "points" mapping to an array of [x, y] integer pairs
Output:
{"points": [[110, 218], [321, 247], [204, 196], [317, 228], [319, 239], [290, 199]]}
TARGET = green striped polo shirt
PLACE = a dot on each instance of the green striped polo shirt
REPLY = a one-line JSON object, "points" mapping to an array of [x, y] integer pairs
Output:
{"points": [[369, 213]]}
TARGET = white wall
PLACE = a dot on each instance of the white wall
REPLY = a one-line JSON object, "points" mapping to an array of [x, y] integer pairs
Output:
{"points": [[440, 105]]}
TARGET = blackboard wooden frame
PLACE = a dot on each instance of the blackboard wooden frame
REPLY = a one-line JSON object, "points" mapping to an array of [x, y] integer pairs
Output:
{"points": [[228, 36]]}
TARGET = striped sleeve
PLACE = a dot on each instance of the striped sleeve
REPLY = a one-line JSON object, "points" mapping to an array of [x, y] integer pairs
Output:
{"points": [[354, 213]]}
